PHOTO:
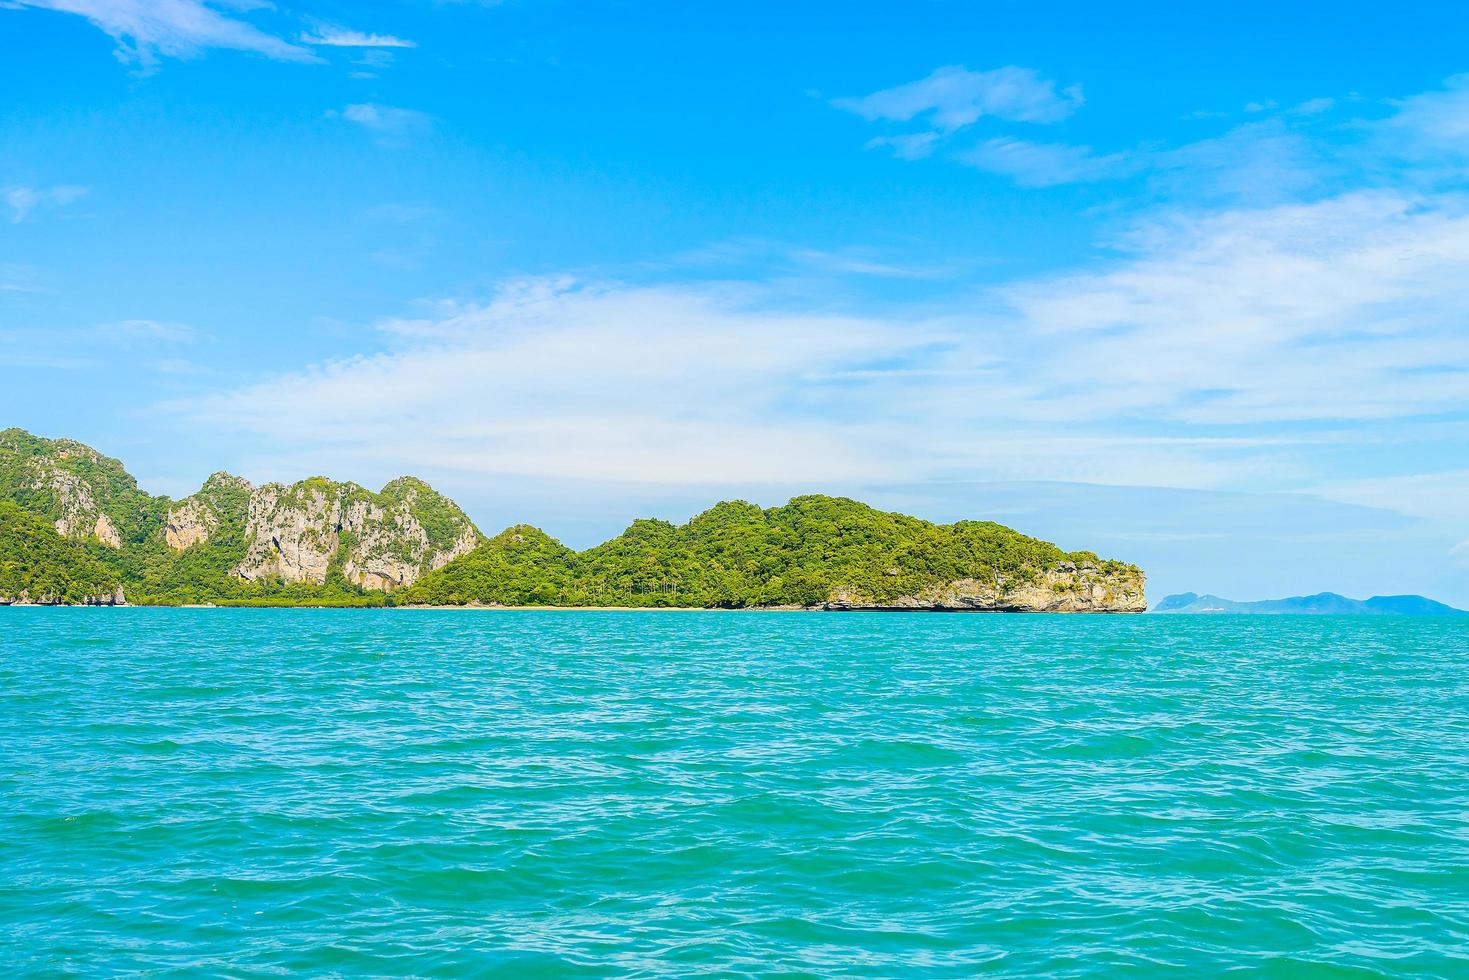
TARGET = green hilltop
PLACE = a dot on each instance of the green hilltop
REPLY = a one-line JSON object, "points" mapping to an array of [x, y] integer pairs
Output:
{"points": [[737, 555]]}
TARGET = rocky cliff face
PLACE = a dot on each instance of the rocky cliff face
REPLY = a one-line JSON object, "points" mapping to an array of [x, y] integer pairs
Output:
{"points": [[1069, 587], [293, 534], [83, 493], [298, 533], [81, 517], [216, 511]]}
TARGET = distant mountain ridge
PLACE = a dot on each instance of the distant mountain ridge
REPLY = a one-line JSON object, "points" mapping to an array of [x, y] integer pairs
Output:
{"points": [[1321, 604]]}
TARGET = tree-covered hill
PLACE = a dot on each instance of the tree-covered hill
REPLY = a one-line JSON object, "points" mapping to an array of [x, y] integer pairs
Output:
{"points": [[86, 495], [38, 565], [815, 550]]}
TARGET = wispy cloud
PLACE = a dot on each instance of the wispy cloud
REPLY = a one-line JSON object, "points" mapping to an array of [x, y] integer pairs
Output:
{"points": [[341, 37], [1434, 122], [1222, 341], [1345, 309], [148, 330], [1044, 164], [24, 201], [17, 278], [864, 262], [907, 146], [649, 384], [954, 97], [1313, 107], [390, 125], [1438, 496], [1160, 368], [1262, 162], [1267, 159], [146, 29]]}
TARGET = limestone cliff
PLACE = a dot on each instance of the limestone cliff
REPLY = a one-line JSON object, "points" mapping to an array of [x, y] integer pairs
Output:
{"points": [[1068, 587], [87, 497], [230, 533], [299, 533], [217, 511]]}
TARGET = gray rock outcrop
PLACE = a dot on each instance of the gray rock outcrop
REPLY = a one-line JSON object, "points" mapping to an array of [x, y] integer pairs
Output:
{"points": [[1067, 588]]}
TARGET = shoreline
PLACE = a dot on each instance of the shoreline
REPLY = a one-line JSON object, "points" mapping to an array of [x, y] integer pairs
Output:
{"points": [[653, 609]]}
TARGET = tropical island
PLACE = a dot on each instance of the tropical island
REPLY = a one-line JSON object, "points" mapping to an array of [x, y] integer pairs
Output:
{"points": [[75, 528]]}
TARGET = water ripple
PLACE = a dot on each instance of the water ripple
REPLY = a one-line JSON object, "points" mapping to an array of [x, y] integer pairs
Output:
{"points": [[267, 792]]}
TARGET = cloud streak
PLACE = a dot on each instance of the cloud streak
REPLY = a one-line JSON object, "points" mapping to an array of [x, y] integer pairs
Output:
{"points": [[954, 97], [25, 201], [390, 125], [1159, 369], [1044, 164], [146, 29], [557, 379], [340, 37]]}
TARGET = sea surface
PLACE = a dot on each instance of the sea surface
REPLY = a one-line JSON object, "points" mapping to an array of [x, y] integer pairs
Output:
{"points": [[270, 792]]}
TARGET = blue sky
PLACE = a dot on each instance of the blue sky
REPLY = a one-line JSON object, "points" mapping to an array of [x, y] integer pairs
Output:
{"points": [[1182, 283]]}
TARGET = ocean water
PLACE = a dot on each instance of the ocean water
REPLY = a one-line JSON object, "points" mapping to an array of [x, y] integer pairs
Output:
{"points": [[267, 792]]}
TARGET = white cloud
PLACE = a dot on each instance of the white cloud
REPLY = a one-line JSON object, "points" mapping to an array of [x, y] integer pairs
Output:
{"points": [[1233, 347], [23, 201], [145, 29], [552, 379], [1313, 107], [1434, 496], [1432, 122], [862, 262], [179, 367], [340, 37], [17, 278], [909, 146], [148, 330], [391, 125], [954, 97], [1258, 162], [1350, 308], [1157, 370], [1044, 164]]}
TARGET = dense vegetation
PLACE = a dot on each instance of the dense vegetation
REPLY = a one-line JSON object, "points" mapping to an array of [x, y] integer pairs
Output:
{"points": [[737, 555], [39, 565]]}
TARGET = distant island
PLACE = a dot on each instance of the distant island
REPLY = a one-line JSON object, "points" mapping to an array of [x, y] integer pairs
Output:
{"points": [[1322, 604], [75, 528]]}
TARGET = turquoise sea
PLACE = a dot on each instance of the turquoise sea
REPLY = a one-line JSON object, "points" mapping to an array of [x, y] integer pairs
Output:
{"points": [[267, 792]]}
